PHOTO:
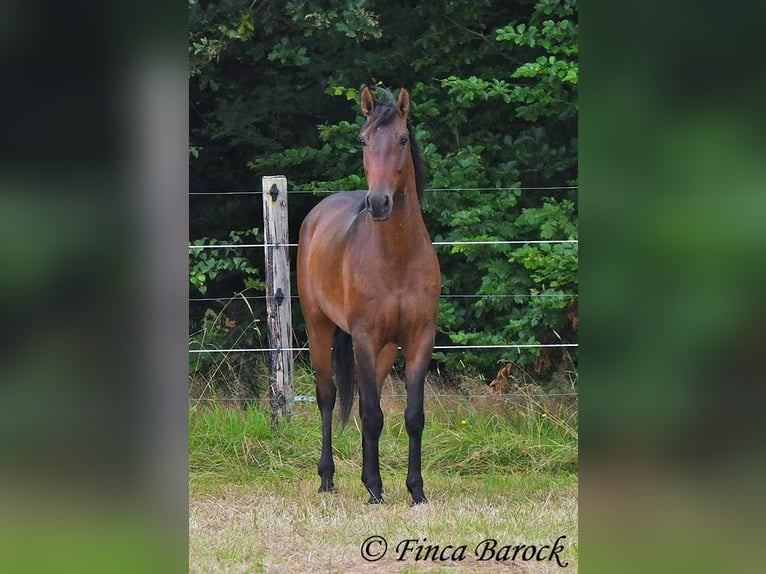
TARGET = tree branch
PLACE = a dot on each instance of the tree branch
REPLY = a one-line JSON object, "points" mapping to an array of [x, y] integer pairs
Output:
{"points": [[483, 38]]}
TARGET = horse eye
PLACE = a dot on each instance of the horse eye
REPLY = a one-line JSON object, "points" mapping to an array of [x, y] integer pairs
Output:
{"points": [[361, 141], [403, 140]]}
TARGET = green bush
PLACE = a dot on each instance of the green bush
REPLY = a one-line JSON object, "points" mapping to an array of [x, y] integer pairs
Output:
{"points": [[494, 100]]}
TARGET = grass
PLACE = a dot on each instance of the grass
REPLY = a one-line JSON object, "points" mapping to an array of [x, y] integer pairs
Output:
{"points": [[493, 468]]}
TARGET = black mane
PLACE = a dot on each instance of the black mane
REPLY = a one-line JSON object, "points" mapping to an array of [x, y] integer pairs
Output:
{"points": [[383, 113]]}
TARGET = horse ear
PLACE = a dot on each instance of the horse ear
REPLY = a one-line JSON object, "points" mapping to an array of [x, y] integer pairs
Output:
{"points": [[403, 103], [367, 101]]}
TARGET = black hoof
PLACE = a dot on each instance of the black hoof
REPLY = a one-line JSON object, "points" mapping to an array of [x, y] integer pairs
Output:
{"points": [[376, 500], [327, 488], [419, 500]]}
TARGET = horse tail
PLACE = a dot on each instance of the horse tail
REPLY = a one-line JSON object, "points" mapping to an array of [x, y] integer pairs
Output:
{"points": [[345, 377]]}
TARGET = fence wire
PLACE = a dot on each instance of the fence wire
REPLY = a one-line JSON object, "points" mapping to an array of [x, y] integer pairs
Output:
{"points": [[435, 243], [467, 396], [428, 190], [442, 296], [436, 348]]}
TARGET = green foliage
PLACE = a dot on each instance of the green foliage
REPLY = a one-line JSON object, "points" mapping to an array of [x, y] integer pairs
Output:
{"points": [[211, 30], [494, 103], [215, 374], [206, 265], [554, 73], [352, 18], [220, 326]]}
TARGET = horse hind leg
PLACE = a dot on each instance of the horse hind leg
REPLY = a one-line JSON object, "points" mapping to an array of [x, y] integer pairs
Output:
{"points": [[320, 343]]}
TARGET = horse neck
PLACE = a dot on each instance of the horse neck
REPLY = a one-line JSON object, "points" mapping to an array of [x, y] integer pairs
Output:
{"points": [[405, 229]]}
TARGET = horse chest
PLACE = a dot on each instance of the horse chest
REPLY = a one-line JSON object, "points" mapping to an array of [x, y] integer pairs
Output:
{"points": [[383, 281]]}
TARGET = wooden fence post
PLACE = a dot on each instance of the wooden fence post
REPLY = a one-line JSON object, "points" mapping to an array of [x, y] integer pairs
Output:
{"points": [[278, 296]]}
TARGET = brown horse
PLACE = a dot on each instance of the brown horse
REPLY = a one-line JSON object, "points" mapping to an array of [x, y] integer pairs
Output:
{"points": [[369, 281]]}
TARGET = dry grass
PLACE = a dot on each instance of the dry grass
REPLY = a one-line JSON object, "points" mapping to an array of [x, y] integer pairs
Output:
{"points": [[289, 528]]}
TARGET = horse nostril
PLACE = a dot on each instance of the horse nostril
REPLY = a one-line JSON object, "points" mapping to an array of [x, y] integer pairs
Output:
{"points": [[378, 205]]}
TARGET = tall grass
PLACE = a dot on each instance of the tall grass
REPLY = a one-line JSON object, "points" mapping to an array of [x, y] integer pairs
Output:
{"points": [[478, 435]]}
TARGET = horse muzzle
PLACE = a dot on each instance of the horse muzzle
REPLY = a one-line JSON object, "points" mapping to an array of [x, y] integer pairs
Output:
{"points": [[378, 205]]}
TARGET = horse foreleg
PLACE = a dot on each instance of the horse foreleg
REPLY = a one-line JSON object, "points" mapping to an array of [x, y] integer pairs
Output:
{"points": [[320, 341], [372, 420], [383, 365], [417, 359]]}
